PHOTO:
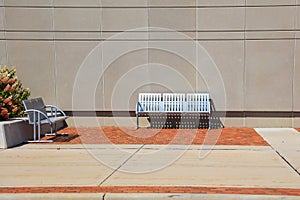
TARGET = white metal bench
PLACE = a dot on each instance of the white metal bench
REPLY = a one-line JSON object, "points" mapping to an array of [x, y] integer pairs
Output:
{"points": [[38, 114], [188, 108]]}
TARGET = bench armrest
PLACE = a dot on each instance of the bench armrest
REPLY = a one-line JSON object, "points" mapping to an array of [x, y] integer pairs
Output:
{"points": [[138, 108], [54, 110], [37, 113]]}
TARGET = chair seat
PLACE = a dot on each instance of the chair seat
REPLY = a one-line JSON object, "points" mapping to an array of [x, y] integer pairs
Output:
{"points": [[53, 119]]}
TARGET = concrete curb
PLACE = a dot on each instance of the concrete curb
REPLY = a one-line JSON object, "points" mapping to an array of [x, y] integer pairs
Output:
{"points": [[16, 131], [140, 196], [54, 196], [163, 196]]}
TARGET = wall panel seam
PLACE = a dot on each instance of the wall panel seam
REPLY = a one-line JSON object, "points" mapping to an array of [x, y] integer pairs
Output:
{"points": [[244, 69], [153, 7], [294, 67], [145, 40], [54, 51], [132, 31], [102, 63]]}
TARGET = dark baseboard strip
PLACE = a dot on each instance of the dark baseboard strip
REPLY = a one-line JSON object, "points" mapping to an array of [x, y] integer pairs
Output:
{"points": [[100, 113], [235, 114]]}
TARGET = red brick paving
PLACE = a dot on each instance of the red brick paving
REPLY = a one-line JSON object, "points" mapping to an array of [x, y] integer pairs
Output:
{"points": [[154, 189], [127, 135]]}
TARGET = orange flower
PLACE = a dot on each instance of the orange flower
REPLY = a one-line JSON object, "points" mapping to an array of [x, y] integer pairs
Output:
{"points": [[15, 109], [11, 81], [4, 79], [4, 113], [7, 88], [7, 100]]}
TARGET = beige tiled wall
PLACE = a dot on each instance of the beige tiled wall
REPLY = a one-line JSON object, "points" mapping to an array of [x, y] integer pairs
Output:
{"points": [[121, 19], [298, 15], [24, 19], [269, 75], [270, 2], [296, 122], [229, 58], [26, 3], [297, 78], [122, 77], [181, 74], [270, 18], [77, 19], [274, 122], [76, 3], [174, 3], [69, 57], [220, 2], [228, 18], [2, 18], [173, 18], [123, 3], [251, 42], [35, 65], [3, 52]]}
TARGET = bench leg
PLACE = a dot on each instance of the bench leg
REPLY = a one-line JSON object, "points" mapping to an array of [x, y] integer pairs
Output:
{"points": [[51, 130], [39, 127], [37, 135], [137, 121], [34, 131]]}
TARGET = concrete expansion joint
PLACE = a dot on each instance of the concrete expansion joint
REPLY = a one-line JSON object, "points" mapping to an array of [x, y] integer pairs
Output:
{"points": [[114, 171], [287, 162]]}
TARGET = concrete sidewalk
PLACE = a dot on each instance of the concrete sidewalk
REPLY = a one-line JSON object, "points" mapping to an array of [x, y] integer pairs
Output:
{"points": [[286, 142], [230, 172]]}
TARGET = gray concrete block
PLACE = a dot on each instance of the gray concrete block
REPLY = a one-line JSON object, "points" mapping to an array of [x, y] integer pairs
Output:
{"points": [[17, 131]]}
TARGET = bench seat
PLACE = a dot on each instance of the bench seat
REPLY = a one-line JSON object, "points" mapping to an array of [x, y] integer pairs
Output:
{"points": [[39, 114]]}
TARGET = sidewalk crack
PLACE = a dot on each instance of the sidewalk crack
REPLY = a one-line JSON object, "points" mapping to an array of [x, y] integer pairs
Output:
{"points": [[121, 165]]}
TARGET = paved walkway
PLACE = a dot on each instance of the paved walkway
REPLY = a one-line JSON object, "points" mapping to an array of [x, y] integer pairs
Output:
{"points": [[157, 171]]}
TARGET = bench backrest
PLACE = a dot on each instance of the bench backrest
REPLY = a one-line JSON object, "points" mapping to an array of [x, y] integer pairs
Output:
{"points": [[37, 104], [198, 102], [150, 102], [173, 102]]}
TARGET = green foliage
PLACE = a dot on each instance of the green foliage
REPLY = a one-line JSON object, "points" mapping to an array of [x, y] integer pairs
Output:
{"points": [[12, 94]]}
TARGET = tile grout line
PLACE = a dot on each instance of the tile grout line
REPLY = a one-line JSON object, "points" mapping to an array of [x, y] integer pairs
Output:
{"points": [[104, 180], [55, 55], [294, 64], [197, 27], [102, 80], [244, 67], [154, 7]]}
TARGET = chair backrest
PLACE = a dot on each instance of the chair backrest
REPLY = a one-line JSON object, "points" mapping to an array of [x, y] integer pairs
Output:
{"points": [[173, 102], [150, 102], [198, 102], [37, 104]]}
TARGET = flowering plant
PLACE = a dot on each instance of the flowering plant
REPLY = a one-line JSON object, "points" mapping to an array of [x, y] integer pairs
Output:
{"points": [[12, 94]]}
